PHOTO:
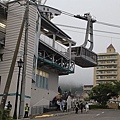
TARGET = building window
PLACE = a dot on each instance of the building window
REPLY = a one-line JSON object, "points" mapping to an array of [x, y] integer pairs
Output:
{"points": [[100, 57], [42, 79], [112, 56]]}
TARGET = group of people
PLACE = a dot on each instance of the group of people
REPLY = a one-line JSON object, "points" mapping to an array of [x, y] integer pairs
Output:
{"points": [[61, 105], [81, 106]]}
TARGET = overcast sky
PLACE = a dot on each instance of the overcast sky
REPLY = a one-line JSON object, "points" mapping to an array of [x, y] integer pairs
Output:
{"points": [[107, 11]]}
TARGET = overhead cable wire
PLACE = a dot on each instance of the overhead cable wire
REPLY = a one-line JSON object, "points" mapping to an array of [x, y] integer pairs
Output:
{"points": [[71, 26], [93, 34], [85, 29], [67, 13], [109, 32], [102, 23], [44, 2], [108, 24]]}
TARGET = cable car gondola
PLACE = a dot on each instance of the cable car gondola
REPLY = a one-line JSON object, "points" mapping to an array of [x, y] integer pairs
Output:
{"points": [[83, 56]]}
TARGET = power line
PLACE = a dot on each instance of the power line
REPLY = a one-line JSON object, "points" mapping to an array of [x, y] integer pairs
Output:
{"points": [[109, 32], [44, 2], [67, 13], [93, 34], [108, 24], [71, 26]]}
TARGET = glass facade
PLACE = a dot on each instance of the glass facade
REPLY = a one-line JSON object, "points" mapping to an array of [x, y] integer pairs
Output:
{"points": [[42, 79]]}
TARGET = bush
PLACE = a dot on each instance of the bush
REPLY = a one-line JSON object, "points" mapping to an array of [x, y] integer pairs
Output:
{"points": [[98, 107], [6, 115]]}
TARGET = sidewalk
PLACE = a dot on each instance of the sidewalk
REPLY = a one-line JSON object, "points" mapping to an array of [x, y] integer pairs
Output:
{"points": [[49, 114], [54, 113]]}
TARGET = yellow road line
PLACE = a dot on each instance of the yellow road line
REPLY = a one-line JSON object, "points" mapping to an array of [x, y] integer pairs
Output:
{"points": [[47, 115]]}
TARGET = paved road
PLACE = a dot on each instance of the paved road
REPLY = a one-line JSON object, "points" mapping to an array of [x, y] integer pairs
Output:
{"points": [[92, 115]]}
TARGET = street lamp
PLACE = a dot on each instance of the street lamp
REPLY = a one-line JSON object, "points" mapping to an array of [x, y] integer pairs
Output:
{"points": [[20, 64]]}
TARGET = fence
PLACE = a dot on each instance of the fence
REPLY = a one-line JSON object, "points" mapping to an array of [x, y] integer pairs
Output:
{"points": [[36, 110], [59, 47]]}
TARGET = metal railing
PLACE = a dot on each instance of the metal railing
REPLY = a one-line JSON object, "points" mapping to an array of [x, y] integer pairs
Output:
{"points": [[49, 41], [36, 110]]}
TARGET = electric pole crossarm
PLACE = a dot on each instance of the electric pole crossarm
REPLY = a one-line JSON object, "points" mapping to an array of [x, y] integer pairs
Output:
{"points": [[9, 78]]}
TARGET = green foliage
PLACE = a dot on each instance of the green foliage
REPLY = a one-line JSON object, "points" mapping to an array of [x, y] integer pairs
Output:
{"points": [[103, 92], [87, 99], [6, 115], [117, 87], [98, 107]]}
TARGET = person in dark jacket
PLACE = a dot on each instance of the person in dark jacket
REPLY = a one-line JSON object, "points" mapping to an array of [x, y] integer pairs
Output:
{"points": [[81, 107], [9, 107]]}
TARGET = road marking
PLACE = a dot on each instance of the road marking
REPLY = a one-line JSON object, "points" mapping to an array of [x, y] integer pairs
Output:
{"points": [[42, 116], [100, 114], [97, 114]]}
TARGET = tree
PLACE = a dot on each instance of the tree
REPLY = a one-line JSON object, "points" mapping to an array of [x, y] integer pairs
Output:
{"points": [[103, 92], [117, 88]]}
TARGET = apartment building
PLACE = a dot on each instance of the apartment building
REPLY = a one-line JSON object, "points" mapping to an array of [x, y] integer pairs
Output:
{"points": [[108, 69], [87, 88]]}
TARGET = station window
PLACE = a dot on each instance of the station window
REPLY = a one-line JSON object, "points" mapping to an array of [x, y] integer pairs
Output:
{"points": [[42, 79]]}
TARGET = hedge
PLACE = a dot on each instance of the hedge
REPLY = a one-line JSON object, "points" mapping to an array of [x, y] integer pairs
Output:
{"points": [[98, 107]]}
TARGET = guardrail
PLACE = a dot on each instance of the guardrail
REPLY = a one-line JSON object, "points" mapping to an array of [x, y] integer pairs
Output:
{"points": [[49, 41], [36, 110]]}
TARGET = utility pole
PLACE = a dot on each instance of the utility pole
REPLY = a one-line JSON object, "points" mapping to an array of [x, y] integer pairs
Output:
{"points": [[9, 78], [23, 82]]}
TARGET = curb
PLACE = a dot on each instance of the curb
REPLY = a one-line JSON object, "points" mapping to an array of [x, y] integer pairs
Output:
{"points": [[56, 114], [64, 113]]}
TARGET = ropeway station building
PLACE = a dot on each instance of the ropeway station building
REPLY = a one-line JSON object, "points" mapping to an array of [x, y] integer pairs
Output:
{"points": [[50, 52]]}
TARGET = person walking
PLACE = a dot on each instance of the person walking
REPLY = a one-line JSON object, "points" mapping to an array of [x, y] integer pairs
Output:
{"points": [[86, 107], [76, 107], [58, 105], [26, 111], [63, 105], [81, 107]]}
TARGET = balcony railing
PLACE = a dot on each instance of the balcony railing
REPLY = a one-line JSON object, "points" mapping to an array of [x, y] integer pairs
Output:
{"points": [[49, 41], [107, 63], [106, 68], [112, 73], [105, 78]]}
